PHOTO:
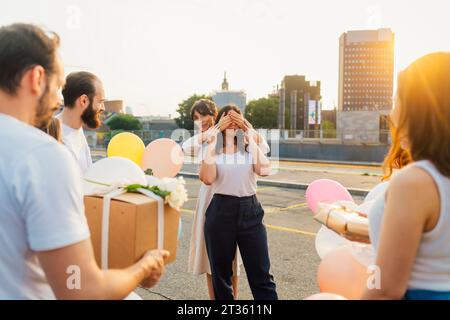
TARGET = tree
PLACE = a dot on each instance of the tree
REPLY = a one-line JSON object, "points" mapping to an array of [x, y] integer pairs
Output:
{"points": [[124, 122], [184, 110], [328, 129], [263, 113], [328, 125]]}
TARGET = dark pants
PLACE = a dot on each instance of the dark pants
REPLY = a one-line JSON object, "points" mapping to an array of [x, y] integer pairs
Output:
{"points": [[231, 222]]}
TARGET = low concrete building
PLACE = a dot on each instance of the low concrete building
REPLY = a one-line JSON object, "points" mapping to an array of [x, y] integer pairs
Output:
{"points": [[158, 123], [362, 126]]}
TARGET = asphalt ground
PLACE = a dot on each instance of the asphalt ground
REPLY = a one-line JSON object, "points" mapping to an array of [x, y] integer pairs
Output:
{"points": [[290, 227], [291, 235]]}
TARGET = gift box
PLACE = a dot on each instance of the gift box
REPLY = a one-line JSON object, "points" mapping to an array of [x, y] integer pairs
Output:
{"points": [[343, 220], [133, 228]]}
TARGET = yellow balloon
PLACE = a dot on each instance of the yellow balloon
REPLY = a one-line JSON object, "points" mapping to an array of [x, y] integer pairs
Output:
{"points": [[126, 145]]}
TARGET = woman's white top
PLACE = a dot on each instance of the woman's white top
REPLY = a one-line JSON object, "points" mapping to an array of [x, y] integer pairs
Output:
{"points": [[235, 175], [431, 270]]}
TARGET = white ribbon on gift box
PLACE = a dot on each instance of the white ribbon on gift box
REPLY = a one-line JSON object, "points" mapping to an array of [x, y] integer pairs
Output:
{"points": [[106, 214]]}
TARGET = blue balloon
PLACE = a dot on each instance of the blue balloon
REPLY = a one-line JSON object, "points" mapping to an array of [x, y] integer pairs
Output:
{"points": [[179, 230]]}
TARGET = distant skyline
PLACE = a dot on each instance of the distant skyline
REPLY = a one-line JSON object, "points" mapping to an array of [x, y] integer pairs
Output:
{"points": [[155, 53]]}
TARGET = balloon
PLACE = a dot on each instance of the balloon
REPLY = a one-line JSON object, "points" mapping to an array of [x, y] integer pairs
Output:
{"points": [[133, 296], [164, 156], [376, 191], [325, 190], [340, 273], [325, 296], [126, 145], [111, 171], [365, 207], [179, 230], [363, 253], [327, 241]]}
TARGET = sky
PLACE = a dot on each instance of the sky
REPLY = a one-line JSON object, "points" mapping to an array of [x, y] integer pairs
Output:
{"points": [[155, 53]]}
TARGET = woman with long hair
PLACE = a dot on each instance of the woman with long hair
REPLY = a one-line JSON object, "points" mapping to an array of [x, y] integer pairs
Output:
{"points": [[204, 113], [234, 217], [397, 157], [410, 224]]}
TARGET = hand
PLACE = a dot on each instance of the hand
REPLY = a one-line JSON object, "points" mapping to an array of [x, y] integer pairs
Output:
{"points": [[205, 136], [212, 137], [224, 122], [248, 124], [238, 119], [256, 136], [153, 263]]}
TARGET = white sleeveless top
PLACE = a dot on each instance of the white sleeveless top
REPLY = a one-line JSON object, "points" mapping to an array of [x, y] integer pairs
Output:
{"points": [[431, 270], [235, 175]]}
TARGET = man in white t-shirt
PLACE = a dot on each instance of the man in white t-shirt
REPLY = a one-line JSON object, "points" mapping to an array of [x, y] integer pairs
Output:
{"points": [[45, 246], [84, 101]]}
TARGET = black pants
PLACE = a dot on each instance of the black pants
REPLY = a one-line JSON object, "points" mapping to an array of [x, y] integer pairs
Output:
{"points": [[231, 222]]}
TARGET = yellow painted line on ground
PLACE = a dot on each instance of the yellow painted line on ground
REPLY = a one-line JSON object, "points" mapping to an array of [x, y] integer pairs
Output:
{"points": [[321, 164], [299, 205], [290, 230]]}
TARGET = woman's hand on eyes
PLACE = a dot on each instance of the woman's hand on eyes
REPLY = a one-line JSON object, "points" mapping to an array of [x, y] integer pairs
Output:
{"points": [[238, 119], [224, 122]]}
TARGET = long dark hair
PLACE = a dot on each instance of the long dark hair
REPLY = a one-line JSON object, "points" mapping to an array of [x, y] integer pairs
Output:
{"points": [[205, 107]]}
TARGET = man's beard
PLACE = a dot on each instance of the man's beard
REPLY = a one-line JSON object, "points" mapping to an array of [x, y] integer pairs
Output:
{"points": [[90, 117], [44, 111]]}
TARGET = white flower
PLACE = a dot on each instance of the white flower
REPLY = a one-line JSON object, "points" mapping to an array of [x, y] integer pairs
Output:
{"points": [[176, 186], [177, 198]]}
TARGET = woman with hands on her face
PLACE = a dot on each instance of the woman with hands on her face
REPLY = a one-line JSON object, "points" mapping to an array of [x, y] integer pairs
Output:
{"points": [[234, 218], [204, 113]]}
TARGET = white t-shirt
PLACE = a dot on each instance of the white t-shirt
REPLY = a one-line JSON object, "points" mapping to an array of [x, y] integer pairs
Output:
{"points": [[235, 175], [41, 207], [75, 141]]}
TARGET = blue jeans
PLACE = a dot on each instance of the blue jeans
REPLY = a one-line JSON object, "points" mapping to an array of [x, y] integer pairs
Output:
{"points": [[426, 295]]}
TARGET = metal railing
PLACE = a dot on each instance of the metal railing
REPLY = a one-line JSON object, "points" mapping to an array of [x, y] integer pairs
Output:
{"points": [[100, 140]]}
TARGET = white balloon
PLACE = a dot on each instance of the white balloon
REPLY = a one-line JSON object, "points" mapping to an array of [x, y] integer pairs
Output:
{"points": [[377, 191], [365, 207], [328, 241], [111, 171], [363, 253], [133, 296]]}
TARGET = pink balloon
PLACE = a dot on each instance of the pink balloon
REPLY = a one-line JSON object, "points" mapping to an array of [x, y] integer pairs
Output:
{"points": [[164, 156], [325, 190], [340, 273], [325, 296]]}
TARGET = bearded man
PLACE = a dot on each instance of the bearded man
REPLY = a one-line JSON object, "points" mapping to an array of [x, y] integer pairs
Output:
{"points": [[84, 101]]}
